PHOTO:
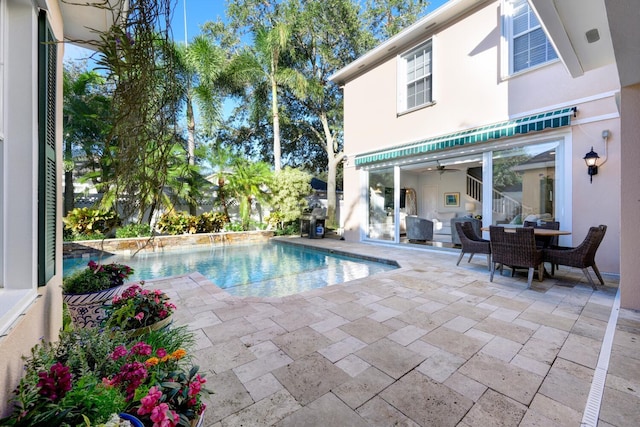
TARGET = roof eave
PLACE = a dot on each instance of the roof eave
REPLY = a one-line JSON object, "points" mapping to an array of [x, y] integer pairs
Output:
{"points": [[84, 22]]}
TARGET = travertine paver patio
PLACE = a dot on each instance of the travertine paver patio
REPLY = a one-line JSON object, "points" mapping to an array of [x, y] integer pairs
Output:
{"points": [[427, 344]]}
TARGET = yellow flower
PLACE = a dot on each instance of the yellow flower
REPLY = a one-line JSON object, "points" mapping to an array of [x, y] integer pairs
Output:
{"points": [[179, 353], [166, 358], [152, 361]]}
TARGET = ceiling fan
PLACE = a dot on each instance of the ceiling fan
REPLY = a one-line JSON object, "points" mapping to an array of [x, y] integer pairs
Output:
{"points": [[442, 168]]}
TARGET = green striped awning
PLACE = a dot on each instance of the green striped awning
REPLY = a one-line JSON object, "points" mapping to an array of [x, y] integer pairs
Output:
{"points": [[538, 122]]}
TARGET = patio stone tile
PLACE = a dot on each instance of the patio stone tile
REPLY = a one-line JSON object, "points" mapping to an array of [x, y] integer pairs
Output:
{"points": [[263, 335], [224, 356], [440, 365], [378, 413], [508, 303], [479, 335], [338, 297], [342, 349], [466, 386], [597, 311], [352, 365], [495, 409], [296, 319], [367, 330], [453, 342], [398, 303], [422, 348], [552, 413], [624, 362], [510, 380], [531, 365], [201, 340], [263, 386], [551, 335], [234, 310], [363, 387], [427, 321], [407, 335], [619, 408], [558, 322], [441, 297], [391, 358], [510, 331], [501, 348], [228, 330], [431, 307], [568, 383], [310, 377], [351, 310], [367, 299], [328, 410], [381, 312], [329, 323], [505, 314], [204, 319], [264, 348], [434, 405], [582, 350], [460, 324], [301, 342], [335, 335], [261, 366], [395, 323], [229, 397], [266, 412], [590, 328]]}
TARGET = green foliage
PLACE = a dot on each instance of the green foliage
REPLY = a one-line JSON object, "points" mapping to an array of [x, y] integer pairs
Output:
{"points": [[70, 237], [288, 190], [96, 277], [133, 230], [180, 223], [234, 226], [89, 223]]}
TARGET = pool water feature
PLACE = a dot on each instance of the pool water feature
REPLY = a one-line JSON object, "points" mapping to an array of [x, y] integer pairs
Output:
{"points": [[264, 269]]}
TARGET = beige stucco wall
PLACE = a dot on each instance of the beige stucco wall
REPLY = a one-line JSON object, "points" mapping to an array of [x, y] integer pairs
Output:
{"points": [[630, 201], [469, 90]]}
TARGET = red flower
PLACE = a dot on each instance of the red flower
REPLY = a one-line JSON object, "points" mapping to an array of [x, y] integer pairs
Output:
{"points": [[55, 383]]}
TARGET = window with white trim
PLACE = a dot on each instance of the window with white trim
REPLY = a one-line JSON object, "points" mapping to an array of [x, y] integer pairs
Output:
{"points": [[414, 78], [528, 43]]}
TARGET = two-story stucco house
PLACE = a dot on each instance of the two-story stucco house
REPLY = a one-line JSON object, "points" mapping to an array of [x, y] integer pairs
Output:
{"points": [[471, 111], [31, 73]]}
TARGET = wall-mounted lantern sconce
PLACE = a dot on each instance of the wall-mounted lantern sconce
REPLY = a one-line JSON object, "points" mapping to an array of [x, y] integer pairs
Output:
{"points": [[591, 159]]}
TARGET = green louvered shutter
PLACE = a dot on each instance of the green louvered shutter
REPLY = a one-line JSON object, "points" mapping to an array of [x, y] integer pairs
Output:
{"points": [[47, 176]]}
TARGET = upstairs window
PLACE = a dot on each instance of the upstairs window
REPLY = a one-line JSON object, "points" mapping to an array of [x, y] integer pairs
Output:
{"points": [[415, 82], [528, 44]]}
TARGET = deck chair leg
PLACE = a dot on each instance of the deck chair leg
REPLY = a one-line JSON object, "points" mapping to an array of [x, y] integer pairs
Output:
{"points": [[541, 272], [470, 257], [493, 270], [586, 273], [489, 261], [530, 277], [595, 269], [460, 257]]}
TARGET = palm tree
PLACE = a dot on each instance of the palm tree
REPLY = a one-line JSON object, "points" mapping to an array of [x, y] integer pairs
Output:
{"points": [[249, 182], [260, 67], [222, 160], [200, 64]]}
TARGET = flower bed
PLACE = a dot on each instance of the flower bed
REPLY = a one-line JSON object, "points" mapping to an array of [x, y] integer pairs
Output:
{"points": [[92, 374]]}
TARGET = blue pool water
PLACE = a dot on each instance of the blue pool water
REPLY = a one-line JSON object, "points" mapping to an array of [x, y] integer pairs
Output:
{"points": [[264, 269]]}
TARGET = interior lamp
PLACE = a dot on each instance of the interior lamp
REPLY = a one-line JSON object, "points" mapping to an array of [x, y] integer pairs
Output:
{"points": [[470, 207], [591, 159]]}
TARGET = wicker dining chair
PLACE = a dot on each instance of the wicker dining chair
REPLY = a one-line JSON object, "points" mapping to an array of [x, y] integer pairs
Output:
{"points": [[582, 256], [471, 242], [541, 241], [515, 249]]}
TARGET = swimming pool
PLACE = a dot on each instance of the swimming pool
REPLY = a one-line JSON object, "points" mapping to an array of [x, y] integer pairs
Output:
{"points": [[264, 269]]}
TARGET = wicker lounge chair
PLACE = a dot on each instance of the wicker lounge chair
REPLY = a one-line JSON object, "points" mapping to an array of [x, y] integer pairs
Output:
{"points": [[515, 249], [582, 256], [544, 242], [471, 242]]}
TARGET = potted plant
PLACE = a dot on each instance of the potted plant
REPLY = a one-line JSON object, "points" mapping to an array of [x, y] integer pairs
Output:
{"points": [[87, 291], [139, 310]]}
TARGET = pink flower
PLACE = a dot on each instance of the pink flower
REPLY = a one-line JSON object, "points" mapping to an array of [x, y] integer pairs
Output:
{"points": [[149, 401], [118, 352], [162, 314], [162, 416], [161, 352], [55, 383], [139, 316], [141, 349]]}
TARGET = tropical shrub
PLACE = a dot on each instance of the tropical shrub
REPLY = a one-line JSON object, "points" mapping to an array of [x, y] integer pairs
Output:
{"points": [[133, 230], [89, 222], [288, 191], [210, 222], [181, 223]]}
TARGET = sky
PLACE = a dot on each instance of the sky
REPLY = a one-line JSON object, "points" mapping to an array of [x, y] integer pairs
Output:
{"points": [[198, 12]]}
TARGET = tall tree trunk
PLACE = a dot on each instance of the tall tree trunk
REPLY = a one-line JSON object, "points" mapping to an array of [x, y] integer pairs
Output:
{"points": [[277, 151], [191, 149], [68, 180], [333, 160]]}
